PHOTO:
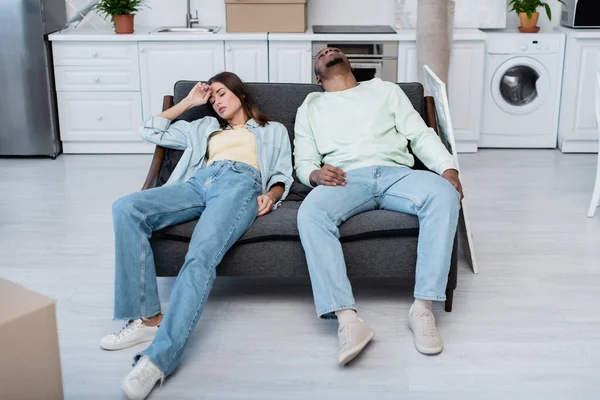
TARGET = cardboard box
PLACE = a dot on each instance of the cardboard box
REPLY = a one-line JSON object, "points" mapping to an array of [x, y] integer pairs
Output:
{"points": [[266, 15], [29, 357]]}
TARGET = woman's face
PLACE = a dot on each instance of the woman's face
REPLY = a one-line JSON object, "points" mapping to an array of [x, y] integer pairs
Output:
{"points": [[224, 102]]}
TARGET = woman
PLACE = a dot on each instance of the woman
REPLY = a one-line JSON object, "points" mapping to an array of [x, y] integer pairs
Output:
{"points": [[235, 167]]}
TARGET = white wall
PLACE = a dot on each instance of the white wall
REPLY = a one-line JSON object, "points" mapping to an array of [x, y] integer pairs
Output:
{"points": [[347, 12], [343, 12], [166, 12]]}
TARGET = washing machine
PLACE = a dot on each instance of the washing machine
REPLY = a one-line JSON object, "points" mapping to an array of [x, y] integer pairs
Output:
{"points": [[523, 78]]}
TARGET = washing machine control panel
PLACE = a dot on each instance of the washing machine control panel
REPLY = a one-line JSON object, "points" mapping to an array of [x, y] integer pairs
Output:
{"points": [[530, 44]]}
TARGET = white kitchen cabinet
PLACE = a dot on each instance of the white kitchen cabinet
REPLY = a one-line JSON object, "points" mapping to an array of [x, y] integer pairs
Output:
{"points": [[95, 54], [290, 62], [98, 97], [578, 128], [98, 116], [248, 59], [164, 63], [97, 79], [465, 87]]}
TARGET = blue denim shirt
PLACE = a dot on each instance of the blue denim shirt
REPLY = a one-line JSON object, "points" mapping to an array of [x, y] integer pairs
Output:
{"points": [[273, 148]]}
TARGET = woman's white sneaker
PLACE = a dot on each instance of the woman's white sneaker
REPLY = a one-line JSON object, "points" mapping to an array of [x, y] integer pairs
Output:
{"points": [[134, 332], [138, 383]]}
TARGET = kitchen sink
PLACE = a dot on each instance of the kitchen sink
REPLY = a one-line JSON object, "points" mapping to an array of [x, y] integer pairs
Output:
{"points": [[197, 29]]}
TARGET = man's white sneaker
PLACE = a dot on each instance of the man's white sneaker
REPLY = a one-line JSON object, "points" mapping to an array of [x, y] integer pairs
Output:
{"points": [[138, 383], [134, 332], [427, 337], [353, 337]]}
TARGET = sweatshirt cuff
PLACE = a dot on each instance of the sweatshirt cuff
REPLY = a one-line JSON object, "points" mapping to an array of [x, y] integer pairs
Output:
{"points": [[303, 174], [446, 165]]}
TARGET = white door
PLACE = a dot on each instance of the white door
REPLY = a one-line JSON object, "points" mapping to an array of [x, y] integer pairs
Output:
{"points": [[248, 59], [290, 62], [465, 92], [465, 86], [164, 63]]}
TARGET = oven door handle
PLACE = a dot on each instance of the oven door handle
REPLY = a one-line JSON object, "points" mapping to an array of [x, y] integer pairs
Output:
{"points": [[366, 64]]}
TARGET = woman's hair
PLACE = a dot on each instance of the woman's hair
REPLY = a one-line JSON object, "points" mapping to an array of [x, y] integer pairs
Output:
{"points": [[232, 82]]}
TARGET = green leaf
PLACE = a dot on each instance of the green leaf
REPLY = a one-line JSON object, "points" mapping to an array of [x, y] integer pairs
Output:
{"points": [[548, 11]]}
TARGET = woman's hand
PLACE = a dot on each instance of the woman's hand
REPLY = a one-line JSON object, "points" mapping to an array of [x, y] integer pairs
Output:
{"points": [[265, 204], [199, 94]]}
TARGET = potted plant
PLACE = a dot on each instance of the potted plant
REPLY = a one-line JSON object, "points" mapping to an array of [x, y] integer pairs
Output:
{"points": [[527, 10], [120, 11]]}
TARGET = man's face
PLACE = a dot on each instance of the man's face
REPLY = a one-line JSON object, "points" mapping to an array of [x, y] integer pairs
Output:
{"points": [[328, 58]]}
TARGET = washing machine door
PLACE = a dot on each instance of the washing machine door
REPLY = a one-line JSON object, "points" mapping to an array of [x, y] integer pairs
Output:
{"points": [[520, 85]]}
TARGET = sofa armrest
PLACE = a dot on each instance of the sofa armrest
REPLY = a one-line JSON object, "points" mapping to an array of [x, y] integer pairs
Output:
{"points": [[159, 154]]}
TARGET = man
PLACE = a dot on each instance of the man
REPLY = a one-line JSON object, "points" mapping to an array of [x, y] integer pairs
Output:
{"points": [[351, 146]]}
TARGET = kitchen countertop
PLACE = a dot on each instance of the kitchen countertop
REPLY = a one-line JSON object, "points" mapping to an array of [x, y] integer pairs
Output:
{"points": [[580, 33], [401, 35], [142, 34]]}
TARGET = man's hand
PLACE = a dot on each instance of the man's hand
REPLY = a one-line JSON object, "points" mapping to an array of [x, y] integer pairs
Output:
{"points": [[328, 176], [451, 175], [265, 204]]}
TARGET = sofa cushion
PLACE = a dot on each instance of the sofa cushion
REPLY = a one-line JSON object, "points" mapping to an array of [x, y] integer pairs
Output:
{"points": [[281, 225]]}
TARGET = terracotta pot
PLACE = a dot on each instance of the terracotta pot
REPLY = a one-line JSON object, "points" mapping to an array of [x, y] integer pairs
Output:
{"points": [[123, 23], [529, 23]]}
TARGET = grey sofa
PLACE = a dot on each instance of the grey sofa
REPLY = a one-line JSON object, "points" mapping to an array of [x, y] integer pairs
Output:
{"points": [[376, 243]]}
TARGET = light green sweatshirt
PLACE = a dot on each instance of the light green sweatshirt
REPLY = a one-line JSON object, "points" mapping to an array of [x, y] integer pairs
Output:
{"points": [[364, 126]]}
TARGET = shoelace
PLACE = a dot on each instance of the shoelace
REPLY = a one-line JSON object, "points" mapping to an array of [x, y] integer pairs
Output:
{"points": [[127, 328], [346, 333], [425, 324]]}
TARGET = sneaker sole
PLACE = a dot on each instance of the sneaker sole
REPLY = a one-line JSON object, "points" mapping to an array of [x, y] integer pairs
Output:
{"points": [[127, 392], [128, 344], [352, 353]]}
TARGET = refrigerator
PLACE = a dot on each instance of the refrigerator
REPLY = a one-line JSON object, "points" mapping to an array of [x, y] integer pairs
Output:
{"points": [[28, 113]]}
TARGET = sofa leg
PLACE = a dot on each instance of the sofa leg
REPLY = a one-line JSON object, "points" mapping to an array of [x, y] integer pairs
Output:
{"points": [[449, 298]]}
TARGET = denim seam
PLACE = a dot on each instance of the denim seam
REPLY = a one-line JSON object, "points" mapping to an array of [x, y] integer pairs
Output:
{"points": [[402, 196], [212, 265], [144, 219], [426, 297], [341, 214], [321, 313]]}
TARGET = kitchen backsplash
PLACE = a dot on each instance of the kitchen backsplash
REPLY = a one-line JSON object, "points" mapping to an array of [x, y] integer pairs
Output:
{"points": [[212, 12]]}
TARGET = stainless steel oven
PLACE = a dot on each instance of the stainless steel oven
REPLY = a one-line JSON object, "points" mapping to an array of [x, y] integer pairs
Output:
{"points": [[368, 59]]}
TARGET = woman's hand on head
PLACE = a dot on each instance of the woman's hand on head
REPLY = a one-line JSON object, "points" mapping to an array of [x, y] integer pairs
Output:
{"points": [[265, 204], [199, 94]]}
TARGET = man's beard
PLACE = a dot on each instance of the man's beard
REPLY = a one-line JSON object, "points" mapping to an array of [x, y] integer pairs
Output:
{"points": [[335, 61]]}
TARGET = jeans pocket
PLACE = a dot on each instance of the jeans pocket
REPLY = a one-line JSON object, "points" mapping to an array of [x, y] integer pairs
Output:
{"points": [[248, 170]]}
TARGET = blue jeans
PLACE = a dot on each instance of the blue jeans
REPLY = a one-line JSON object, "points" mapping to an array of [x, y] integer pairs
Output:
{"points": [[223, 196], [427, 195]]}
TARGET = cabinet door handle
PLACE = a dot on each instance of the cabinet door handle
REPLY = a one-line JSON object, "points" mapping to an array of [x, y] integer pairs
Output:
{"points": [[96, 79], [99, 118], [228, 48], [94, 54], [142, 50], [307, 49]]}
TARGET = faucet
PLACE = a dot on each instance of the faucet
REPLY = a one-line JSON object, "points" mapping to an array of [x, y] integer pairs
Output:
{"points": [[189, 20]]}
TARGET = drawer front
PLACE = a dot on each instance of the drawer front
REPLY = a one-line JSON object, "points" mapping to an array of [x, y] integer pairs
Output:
{"points": [[95, 53], [100, 116], [97, 79]]}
